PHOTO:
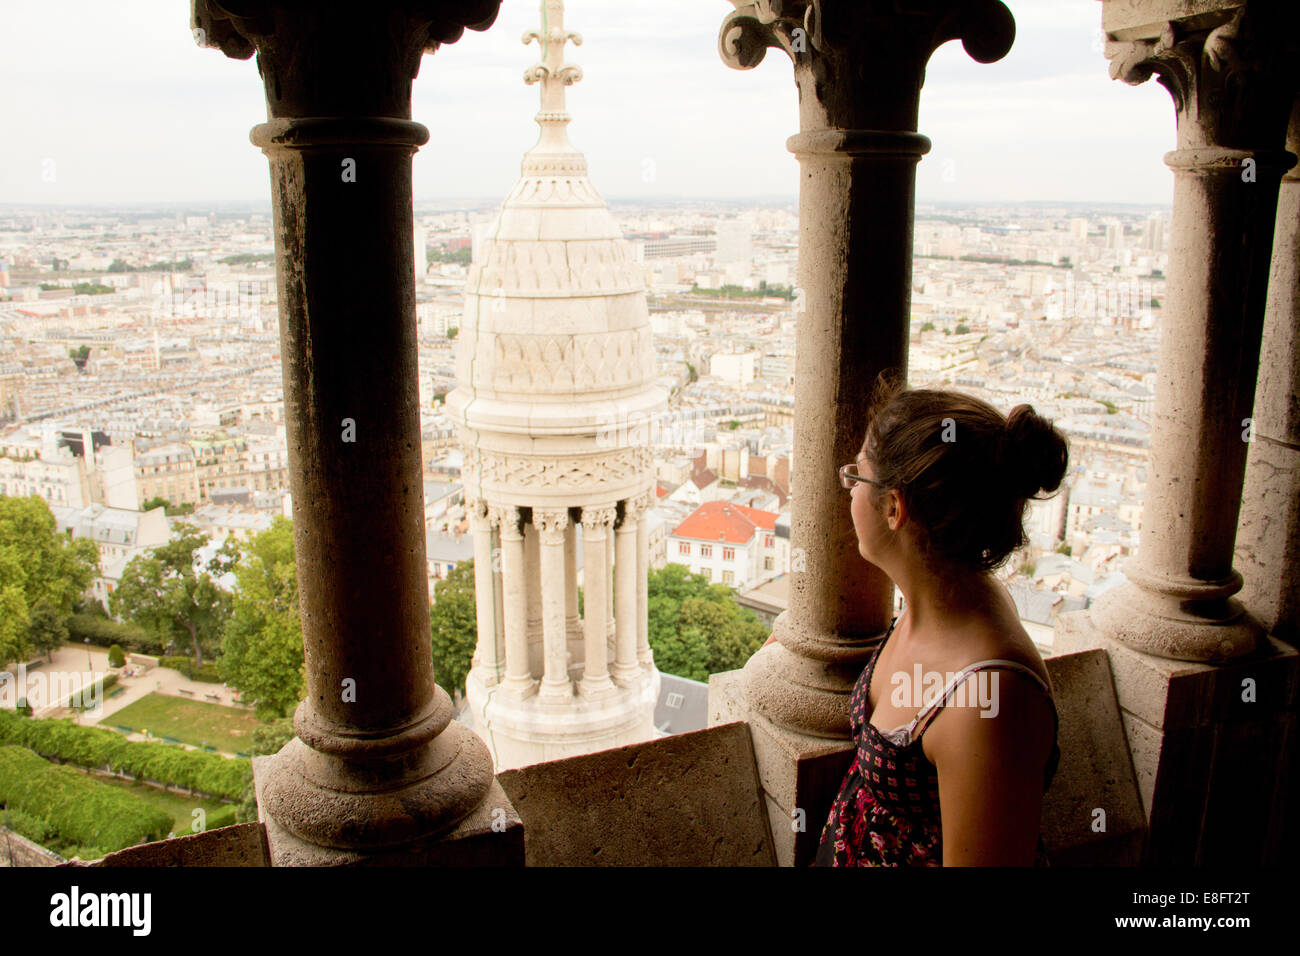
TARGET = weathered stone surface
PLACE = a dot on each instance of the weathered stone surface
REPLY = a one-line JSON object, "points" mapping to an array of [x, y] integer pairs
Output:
{"points": [[687, 800], [492, 835], [799, 774], [241, 845], [1095, 772], [17, 850], [1205, 741]]}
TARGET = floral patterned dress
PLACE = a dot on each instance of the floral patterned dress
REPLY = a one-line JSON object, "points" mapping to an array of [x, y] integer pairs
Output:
{"points": [[887, 810]]}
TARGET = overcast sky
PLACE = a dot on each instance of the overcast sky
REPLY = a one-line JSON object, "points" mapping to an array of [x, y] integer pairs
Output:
{"points": [[129, 109]]}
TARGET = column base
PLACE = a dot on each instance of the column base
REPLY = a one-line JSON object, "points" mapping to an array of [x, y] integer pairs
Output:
{"points": [[598, 688], [492, 835], [627, 675], [556, 692], [1179, 622], [518, 688], [365, 793], [805, 696]]}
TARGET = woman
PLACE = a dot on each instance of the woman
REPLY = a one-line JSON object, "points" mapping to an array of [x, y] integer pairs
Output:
{"points": [[953, 718]]}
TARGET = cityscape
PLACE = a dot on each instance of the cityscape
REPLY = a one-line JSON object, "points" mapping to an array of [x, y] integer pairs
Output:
{"points": [[179, 393]]}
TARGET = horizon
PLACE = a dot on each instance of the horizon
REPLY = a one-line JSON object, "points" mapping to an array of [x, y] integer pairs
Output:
{"points": [[1044, 124]]}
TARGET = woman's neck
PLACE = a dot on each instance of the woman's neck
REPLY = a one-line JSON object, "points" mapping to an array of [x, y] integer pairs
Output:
{"points": [[938, 599]]}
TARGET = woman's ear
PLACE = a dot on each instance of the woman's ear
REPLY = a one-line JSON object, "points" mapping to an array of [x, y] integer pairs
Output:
{"points": [[896, 510]]}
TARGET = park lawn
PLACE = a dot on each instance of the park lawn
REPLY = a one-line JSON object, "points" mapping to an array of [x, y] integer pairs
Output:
{"points": [[189, 721], [178, 806]]}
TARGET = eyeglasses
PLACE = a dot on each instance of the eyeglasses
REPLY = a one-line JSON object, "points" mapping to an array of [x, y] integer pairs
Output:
{"points": [[849, 474]]}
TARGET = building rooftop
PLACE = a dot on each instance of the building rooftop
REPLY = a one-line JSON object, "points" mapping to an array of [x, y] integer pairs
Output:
{"points": [[724, 521]]}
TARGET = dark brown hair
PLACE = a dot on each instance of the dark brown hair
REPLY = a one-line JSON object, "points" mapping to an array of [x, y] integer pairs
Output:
{"points": [[965, 471]]}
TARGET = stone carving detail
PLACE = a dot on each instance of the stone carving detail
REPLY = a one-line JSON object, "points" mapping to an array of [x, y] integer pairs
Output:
{"points": [[598, 517], [550, 525], [842, 46], [566, 363], [477, 509], [554, 267], [1224, 81], [579, 190], [299, 46], [579, 474], [507, 518]]}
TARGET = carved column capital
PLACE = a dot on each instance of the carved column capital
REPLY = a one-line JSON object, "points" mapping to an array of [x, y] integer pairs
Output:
{"points": [[550, 525], [508, 520], [860, 64], [478, 511], [1231, 74], [633, 508], [597, 519], [317, 61]]}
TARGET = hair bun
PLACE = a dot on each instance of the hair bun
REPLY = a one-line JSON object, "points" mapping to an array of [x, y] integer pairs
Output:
{"points": [[1034, 454]]}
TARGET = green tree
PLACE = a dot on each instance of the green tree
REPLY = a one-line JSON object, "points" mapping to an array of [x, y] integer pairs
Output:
{"points": [[42, 574], [116, 656], [453, 622], [928, 327], [453, 332], [14, 620], [47, 629], [962, 328], [261, 646], [167, 506], [696, 628], [165, 593]]}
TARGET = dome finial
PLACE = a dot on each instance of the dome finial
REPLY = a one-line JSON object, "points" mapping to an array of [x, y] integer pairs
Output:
{"points": [[553, 74]]}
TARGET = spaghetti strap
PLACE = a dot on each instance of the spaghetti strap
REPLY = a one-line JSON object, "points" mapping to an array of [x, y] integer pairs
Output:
{"points": [[931, 709]]}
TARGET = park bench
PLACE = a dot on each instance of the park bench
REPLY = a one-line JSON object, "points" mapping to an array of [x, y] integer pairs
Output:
{"points": [[187, 693], [209, 748], [116, 691], [240, 753], [170, 740], [216, 697], [124, 729]]}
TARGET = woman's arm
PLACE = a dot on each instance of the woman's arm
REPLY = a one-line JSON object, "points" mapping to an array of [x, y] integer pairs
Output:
{"points": [[991, 774]]}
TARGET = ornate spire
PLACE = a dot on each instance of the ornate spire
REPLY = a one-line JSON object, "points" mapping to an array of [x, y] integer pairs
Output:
{"points": [[554, 75]]}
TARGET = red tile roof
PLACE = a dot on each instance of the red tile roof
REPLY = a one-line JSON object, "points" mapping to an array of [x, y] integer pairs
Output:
{"points": [[724, 521]]}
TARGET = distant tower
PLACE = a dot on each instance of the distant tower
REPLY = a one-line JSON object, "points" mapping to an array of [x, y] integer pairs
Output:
{"points": [[555, 388], [1154, 237]]}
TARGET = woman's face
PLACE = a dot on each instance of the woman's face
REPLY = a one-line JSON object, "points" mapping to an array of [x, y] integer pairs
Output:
{"points": [[868, 521]]}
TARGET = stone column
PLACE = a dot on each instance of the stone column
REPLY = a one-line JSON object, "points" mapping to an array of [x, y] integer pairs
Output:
{"points": [[859, 70], [498, 594], [377, 770], [596, 523], [518, 675], [555, 684], [613, 595], [643, 655], [1232, 119], [1270, 505], [572, 621], [626, 667], [488, 654], [1204, 692], [533, 578]]}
